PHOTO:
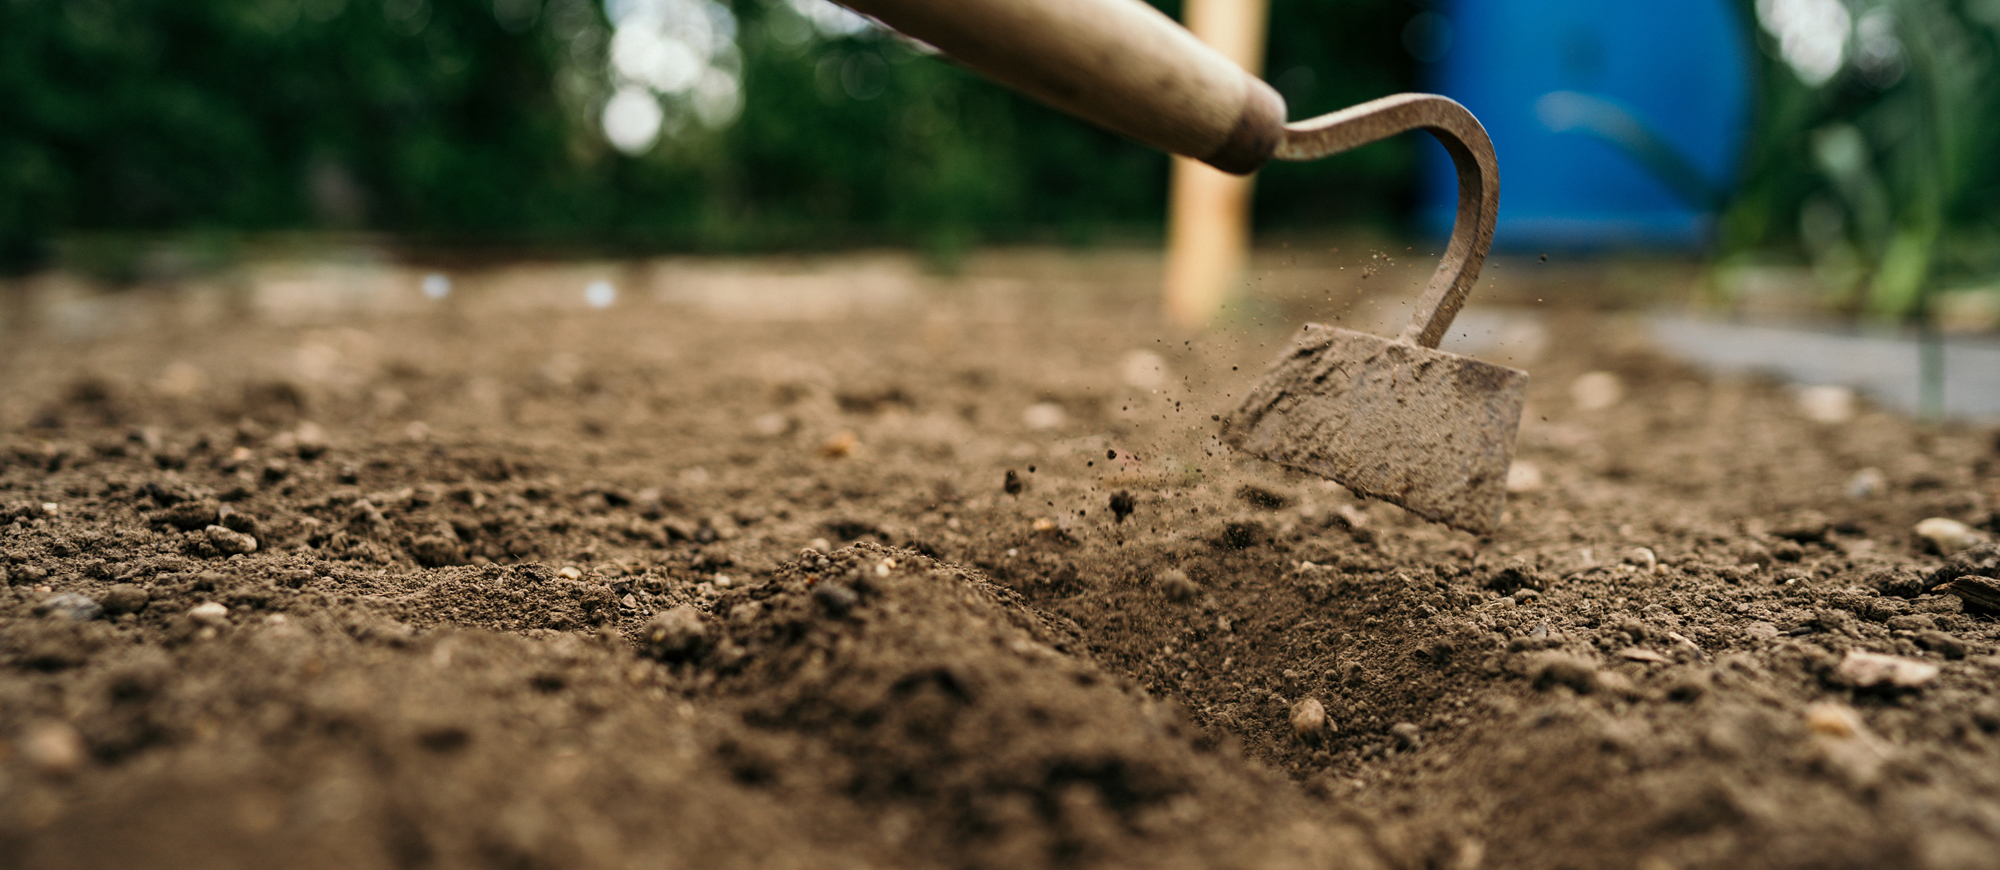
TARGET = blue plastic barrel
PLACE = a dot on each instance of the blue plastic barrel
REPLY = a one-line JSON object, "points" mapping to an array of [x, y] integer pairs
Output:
{"points": [[1616, 124]]}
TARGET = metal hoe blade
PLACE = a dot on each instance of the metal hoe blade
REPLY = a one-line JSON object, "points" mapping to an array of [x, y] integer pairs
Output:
{"points": [[1398, 419]]}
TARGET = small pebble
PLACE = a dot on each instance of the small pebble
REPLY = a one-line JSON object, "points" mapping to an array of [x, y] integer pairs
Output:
{"points": [[1524, 476], [840, 446], [1838, 721], [1642, 558], [1948, 536], [210, 613], [77, 608], [835, 597], [125, 598], [1309, 719], [1826, 403], [570, 572], [53, 748], [1864, 670], [1595, 391], [230, 542]]}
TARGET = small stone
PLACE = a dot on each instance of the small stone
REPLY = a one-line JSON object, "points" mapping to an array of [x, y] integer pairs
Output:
{"points": [[74, 607], [1408, 737], [309, 440], [1867, 483], [1867, 670], [125, 598], [1524, 476], [840, 446], [1826, 403], [1837, 721], [676, 634], [1595, 391], [54, 748], [1309, 719], [1642, 558], [230, 542], [835, 597], [209, 613], [570, 572], [1948, 537], [1175, 584]]}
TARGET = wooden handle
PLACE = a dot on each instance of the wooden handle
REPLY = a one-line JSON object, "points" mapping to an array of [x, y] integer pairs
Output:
{"points": [[1120, 64]]}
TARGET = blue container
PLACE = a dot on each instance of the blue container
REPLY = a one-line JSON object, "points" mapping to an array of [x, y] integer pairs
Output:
{"points": [[1616, 124]]}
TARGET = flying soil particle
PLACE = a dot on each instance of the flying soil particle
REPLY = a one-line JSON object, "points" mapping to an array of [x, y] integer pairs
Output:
{"points": [[1012, 484], [1122, 504]]}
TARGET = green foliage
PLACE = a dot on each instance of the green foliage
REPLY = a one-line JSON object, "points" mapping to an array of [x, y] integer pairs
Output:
{"points": [[1883, 174], [478, 120]]}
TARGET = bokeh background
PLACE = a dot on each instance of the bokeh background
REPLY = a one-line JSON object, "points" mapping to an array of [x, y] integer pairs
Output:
{"points": [[1850, 161]]}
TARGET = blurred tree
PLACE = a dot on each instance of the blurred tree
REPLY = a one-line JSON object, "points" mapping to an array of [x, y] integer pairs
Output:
{"points": [[639, 124]]}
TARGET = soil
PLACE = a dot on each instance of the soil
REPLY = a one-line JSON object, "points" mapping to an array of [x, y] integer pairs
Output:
{"points": [[963, 584]]}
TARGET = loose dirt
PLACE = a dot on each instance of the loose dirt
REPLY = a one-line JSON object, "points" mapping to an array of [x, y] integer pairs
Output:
{"points": [[969, 584]]}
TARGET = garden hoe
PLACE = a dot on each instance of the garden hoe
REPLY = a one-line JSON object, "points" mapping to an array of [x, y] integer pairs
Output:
{"points": [[1396, 419]]}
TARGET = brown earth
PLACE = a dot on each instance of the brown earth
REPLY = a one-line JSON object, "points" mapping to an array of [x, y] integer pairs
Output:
{"points": [[941, 587]]}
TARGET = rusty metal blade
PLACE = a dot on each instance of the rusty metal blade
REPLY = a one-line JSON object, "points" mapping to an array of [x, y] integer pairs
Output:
{"points": [[1425, 429]]}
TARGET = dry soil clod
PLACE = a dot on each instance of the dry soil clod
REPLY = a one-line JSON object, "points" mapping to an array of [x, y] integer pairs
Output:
{"points": [[125, 598], [1122, 504], [676, 634]]}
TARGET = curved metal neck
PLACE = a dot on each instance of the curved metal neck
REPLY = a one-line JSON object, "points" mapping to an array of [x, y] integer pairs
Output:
{"points": [[1478, 187]]}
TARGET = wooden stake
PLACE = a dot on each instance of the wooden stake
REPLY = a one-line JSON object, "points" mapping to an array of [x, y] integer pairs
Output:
{"points": [[1208, 211]]}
